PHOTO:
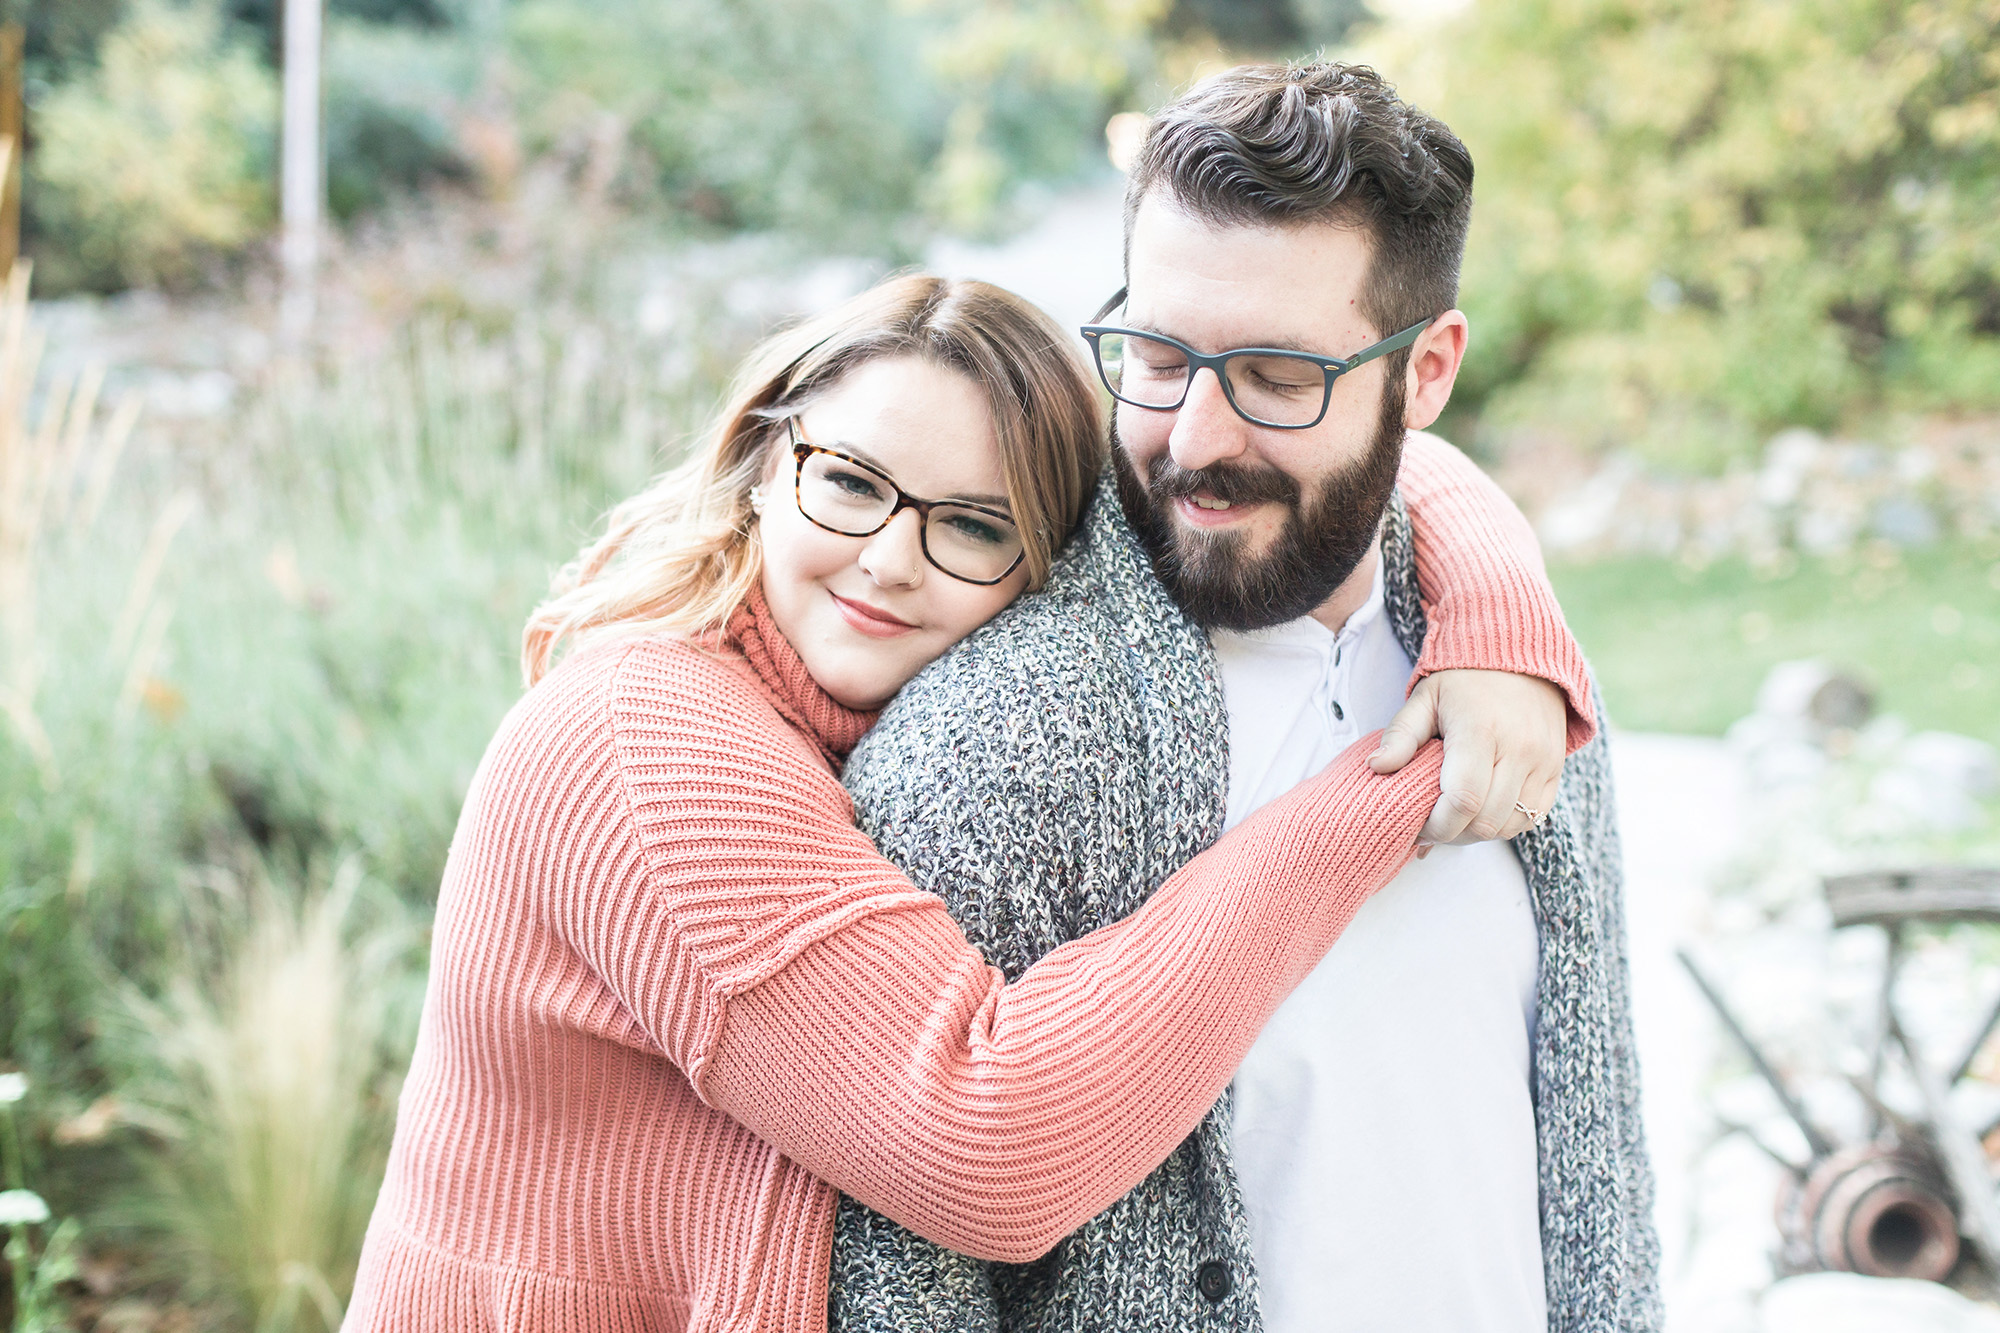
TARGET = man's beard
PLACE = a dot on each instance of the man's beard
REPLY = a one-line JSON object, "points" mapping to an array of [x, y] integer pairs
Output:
{"points": [[1219, 583]]}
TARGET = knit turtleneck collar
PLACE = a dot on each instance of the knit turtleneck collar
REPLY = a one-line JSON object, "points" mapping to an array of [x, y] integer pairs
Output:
{"points": [[831, 725]]}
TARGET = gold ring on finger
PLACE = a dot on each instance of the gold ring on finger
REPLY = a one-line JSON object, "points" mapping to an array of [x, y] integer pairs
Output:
{"points": [[1534, 816]]}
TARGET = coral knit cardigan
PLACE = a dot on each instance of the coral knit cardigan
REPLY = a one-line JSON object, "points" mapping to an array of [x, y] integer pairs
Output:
{"points": [[677, 1000]]}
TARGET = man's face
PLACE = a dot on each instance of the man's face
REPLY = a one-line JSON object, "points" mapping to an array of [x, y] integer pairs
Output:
{"points": [[1247, 525]]}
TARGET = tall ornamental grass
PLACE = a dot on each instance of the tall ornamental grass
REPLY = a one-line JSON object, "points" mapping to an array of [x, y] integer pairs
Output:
{"points": [[265, 1072], [248, 675]]}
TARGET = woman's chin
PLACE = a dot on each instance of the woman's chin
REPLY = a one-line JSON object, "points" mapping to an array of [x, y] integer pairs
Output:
{"points": [[854, 685], [860, 700]]}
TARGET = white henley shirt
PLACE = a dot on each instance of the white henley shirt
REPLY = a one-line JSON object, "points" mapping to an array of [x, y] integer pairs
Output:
{"points": [[1385, 1128]]}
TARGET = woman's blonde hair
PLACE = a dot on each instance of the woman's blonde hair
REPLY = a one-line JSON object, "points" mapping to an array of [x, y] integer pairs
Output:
{"points": [[683, 554]]}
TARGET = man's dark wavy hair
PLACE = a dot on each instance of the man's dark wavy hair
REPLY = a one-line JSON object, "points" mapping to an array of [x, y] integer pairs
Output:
{"points": [[1281, 145]]}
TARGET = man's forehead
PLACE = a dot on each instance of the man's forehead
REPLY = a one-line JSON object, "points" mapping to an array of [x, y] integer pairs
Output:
{"points": [[1245, 283]]}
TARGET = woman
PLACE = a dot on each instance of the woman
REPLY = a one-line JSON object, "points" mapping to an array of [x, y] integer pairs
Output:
{"points": [[677, 999]]}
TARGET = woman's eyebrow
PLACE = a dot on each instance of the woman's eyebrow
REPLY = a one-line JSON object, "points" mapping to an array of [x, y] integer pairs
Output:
{"points": [[862, 455]]}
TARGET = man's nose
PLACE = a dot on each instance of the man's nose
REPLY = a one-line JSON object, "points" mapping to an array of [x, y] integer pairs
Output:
{"points": [[894, 557], [1206, 428]]}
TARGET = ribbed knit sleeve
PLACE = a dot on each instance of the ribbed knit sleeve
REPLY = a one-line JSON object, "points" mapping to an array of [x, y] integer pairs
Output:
{"points": [[812, 994], [1485, 589], [748, 842]]}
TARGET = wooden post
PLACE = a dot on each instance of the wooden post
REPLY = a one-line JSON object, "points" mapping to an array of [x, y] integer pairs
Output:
{"points": [[13, 41], [299, 195]]}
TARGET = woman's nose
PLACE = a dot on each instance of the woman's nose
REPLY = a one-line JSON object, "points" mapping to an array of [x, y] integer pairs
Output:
{"points": [[894, 557]]}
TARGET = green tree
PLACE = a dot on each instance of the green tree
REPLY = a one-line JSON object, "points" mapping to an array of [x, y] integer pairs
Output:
{"points": [[792, 114], [1272, 25], [160, 158], [843, 120], [1031, 84], [1699, 220]]}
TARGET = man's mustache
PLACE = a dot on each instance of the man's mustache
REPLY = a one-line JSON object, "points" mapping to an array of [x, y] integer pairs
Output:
{"points": [[1228, 482]]}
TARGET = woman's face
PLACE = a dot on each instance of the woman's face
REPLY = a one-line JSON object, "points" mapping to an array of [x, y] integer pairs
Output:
{"points": [[867, 613]]}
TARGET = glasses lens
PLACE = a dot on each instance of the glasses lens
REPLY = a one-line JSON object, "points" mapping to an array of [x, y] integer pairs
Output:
{"points": [[1279, 390], [1143, 370], [844, 496], [971, 543]]}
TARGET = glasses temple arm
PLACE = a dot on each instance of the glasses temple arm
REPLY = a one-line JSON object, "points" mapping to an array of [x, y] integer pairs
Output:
{"points": [[1117, 299], [1394, 343]]}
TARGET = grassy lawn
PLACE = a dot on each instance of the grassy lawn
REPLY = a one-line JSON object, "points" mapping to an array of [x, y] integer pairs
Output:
{"points": [[1683, 649]]}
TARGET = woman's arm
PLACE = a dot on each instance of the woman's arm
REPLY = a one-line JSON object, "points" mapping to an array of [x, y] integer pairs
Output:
{"points": [[1485, 589], [812, 993], [1499, 677]]}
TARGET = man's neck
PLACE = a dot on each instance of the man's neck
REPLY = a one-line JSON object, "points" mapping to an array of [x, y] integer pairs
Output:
{"points": [[1352, 595]]}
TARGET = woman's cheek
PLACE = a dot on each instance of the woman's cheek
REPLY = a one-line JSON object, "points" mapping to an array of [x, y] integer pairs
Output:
{"points": [[793, 557], [977, 604], [787, 585]]}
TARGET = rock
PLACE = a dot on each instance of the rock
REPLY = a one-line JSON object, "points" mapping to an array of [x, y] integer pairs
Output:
{"points": [[205, 393], [1938, 779], [1905, 521], [1779, 753], [1850, 1303], [1586, 515], [1788, 458], [1827, 529], [1915, 465], [1966, 763], [1812, 691]]}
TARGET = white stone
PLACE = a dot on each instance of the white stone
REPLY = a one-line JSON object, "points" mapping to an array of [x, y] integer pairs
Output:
{"points": [[1789, 688], [1967, 763], [1788, 458], [1851, 1303], [1586, 514], [1937, 780]]}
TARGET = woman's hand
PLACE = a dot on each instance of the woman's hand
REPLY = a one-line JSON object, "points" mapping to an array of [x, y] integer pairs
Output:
{"points": [[1504, 742]]}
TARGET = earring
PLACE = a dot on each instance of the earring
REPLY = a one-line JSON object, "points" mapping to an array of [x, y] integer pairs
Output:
{"points": [[756, 499]]}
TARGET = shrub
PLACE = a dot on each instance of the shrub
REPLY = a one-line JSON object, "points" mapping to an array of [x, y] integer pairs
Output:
{"points": [[1700, 220], [1031, 87], [160, 159], [844, 121], [765, 114], [851, 124], [391, 95]]}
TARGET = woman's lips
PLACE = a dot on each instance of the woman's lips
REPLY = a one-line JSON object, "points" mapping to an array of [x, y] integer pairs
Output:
{"points": [[875, 623]]}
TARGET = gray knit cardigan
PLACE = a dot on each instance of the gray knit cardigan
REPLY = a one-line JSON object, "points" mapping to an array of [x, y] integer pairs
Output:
{"points": [[1053, 770]]}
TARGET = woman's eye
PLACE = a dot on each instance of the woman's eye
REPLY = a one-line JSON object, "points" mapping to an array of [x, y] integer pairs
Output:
{"points": [[971, 529], [855, 485]]}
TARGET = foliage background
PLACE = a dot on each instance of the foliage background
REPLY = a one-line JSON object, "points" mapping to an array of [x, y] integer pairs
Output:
{"points": [[1699, 221], [1708, 220], [252, 657]]}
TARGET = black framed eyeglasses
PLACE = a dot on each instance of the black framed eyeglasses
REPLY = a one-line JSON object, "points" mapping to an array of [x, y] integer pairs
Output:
{"points": [[1267, 386], [973, 543]]}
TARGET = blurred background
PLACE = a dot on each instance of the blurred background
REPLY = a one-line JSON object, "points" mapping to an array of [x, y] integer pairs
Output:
{"points": [[281, 476]]}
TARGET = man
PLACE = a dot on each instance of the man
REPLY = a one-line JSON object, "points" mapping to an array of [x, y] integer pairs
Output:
{"points": [[1439, 1131]]}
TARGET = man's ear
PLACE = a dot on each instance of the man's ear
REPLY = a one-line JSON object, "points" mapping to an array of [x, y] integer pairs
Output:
{"points": [[1434, 361]]}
